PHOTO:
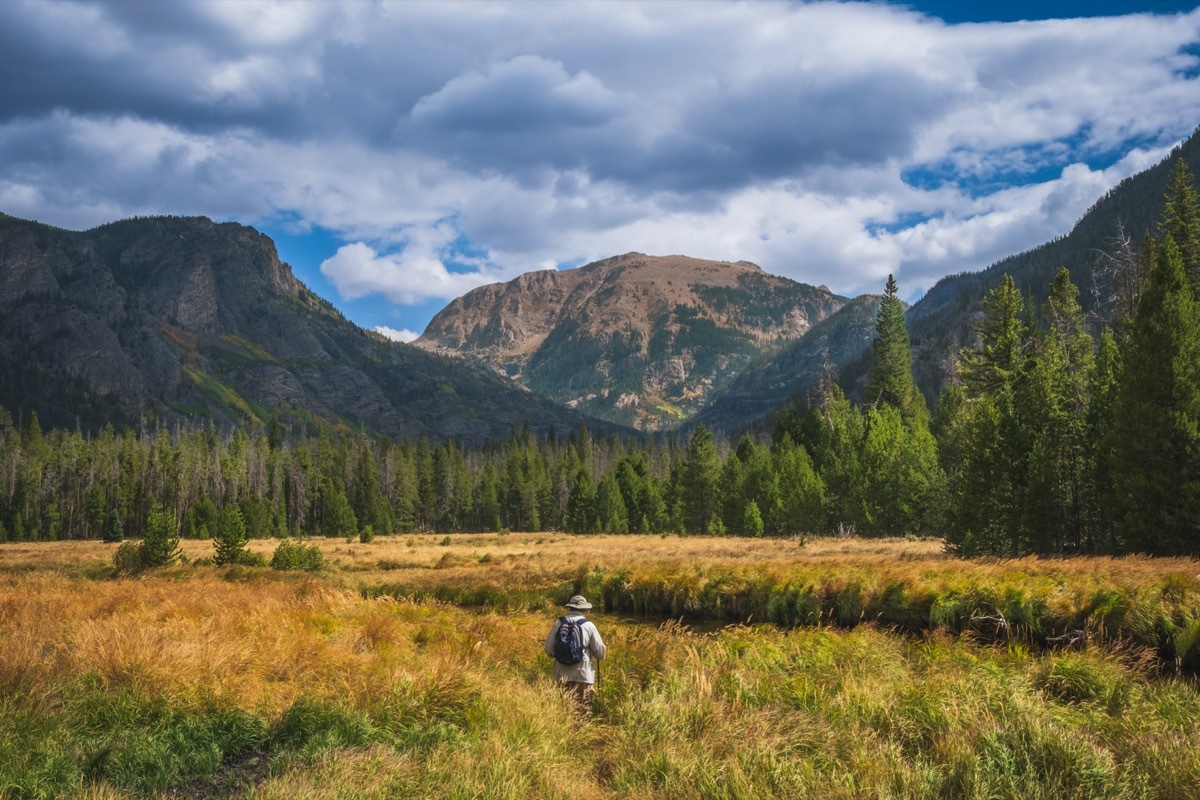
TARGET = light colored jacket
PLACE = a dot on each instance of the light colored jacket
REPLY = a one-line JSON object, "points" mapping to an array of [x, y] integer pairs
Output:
{"points": [[593, 651]]}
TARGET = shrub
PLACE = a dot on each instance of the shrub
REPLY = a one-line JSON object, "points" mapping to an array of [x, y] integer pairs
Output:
{"points": [[366, 535], [248, 558], [127, 560], [293, 555]]}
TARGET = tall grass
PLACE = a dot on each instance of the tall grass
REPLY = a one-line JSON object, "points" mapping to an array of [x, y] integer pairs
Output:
{"points": [[251, 683]]}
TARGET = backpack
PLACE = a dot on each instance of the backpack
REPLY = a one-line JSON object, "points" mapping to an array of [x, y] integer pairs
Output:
{"points": [[568, 642]]}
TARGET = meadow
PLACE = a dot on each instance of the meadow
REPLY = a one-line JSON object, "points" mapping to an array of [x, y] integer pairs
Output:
{"points": [[413, 667]]}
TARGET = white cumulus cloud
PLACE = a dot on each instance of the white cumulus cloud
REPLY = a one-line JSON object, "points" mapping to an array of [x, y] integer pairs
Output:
{"points": [[401, 335]]}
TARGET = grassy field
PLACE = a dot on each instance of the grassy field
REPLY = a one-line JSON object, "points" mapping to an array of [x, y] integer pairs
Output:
{"points": [[412, 667]]}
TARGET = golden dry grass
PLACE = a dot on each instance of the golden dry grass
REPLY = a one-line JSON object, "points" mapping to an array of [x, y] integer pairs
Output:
{"points": [[458, 703]]}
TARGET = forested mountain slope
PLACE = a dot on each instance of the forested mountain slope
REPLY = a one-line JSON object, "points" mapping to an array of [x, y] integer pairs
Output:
{"points": [[939, 324], [763, 387]]}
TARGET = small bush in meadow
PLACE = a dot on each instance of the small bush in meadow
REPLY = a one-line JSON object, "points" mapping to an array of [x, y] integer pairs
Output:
{"points": [[248, 558], [295, 555], [127, 560]]}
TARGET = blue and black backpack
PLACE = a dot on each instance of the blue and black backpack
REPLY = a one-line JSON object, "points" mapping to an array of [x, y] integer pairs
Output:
{"points": [[568, 644]]}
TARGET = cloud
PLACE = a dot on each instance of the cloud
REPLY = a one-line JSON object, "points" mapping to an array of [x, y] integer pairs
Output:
{"points": [[528, 93], [402, 335], [451, 145], [413, 275]]}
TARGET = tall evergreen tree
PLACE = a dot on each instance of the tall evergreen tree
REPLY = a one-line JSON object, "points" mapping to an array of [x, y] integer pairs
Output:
{"points": [[891, 382], [230, 537], [1052, 408], [611, 514], [1156, 445], [1099, 505], [998, 358], [989, 490], [114, 531], [581, 505], [801, 491], [160, 547], [699, 495], [1181, 220]]}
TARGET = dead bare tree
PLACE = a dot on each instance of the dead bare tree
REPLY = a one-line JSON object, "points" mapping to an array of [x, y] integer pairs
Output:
{"points": [[1116, 283]]}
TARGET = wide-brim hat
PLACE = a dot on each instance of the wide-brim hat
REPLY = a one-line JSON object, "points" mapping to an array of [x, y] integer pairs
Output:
{"points": [[578, 602]]}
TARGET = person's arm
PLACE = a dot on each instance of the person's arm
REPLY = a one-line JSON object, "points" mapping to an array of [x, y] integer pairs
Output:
{"points": [[595, 643], [550, 638]]}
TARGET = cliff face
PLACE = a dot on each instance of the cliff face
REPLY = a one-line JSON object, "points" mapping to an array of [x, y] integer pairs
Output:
{"points": [[177, 318], [635, 339]]}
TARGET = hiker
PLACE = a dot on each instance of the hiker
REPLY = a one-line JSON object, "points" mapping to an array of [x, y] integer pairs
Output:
{"points": [[575, 653]]}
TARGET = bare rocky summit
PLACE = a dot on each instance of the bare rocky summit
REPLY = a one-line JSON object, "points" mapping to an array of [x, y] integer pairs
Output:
{"points": [[639, 340]]}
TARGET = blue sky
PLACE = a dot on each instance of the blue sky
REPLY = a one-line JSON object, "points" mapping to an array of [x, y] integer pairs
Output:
{"points": [[404, 153]]}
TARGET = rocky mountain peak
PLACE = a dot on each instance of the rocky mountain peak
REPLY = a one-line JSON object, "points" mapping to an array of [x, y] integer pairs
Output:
{"points": [[636, 339]]}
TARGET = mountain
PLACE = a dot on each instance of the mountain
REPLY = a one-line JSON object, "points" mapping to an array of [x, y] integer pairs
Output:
{"points": [[940, 323], [836, 340], [171, 319], [634, 339]]}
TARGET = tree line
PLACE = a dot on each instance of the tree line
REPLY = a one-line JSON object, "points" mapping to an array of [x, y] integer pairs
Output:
{"points": [[1051, 441]]}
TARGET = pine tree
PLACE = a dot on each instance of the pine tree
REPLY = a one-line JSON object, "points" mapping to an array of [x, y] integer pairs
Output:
{"points": [[996, 361], [230, 537], [1052, 407], [801, 490], [989, 490], [1156, 445], [581, 505], [1181, 220], [752, 522], [334, 515], [160, 546], [838, 433], [699, 495], [113, 530], [611, 514], [891, 382], [1099, 506], [489, 499], [371, 508]]}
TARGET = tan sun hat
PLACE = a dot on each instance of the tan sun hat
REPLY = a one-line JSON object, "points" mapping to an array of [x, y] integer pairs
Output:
{"points": [[578, 602]]}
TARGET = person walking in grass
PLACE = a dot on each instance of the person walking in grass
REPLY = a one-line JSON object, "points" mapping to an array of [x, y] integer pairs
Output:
{"points": [[575, 645]]}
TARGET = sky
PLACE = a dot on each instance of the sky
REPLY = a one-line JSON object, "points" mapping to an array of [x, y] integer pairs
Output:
{"points": [[401, 154]]}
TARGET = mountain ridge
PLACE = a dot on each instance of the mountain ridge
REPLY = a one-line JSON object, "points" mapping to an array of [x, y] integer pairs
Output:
{"points": [[170, 319]]}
